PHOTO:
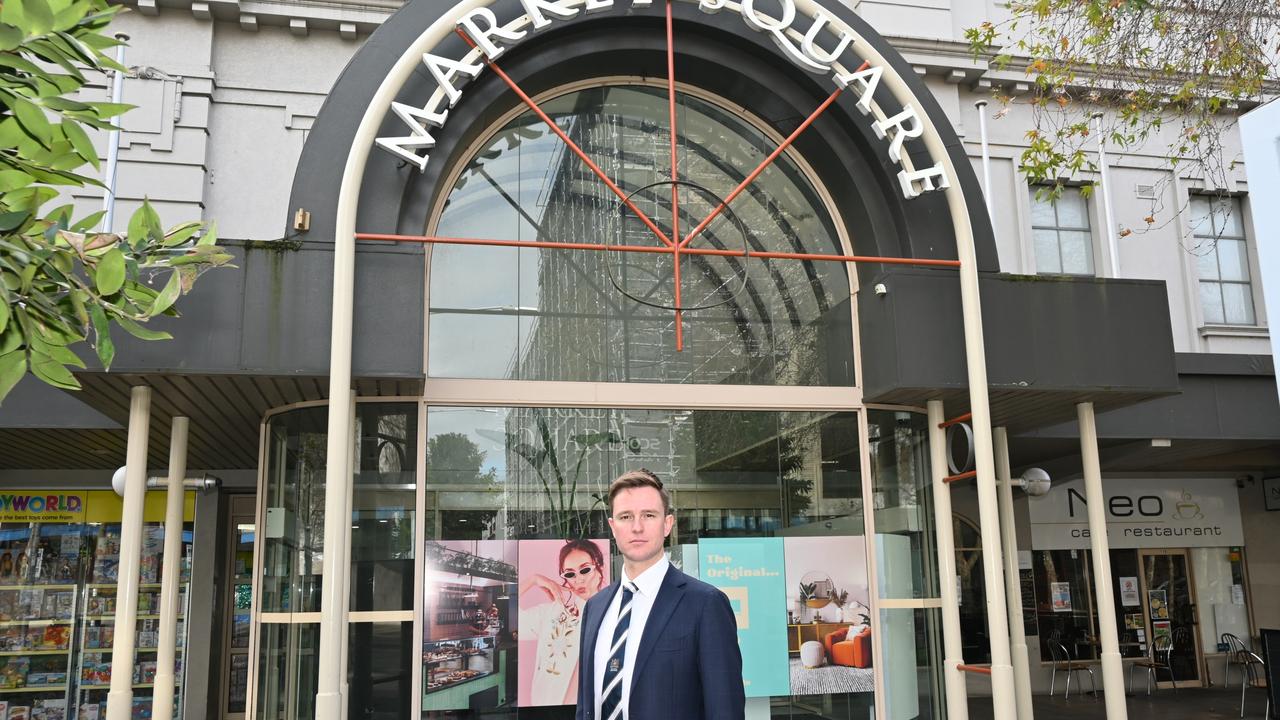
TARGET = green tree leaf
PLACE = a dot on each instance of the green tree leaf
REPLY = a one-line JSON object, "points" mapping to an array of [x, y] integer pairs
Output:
{"points": [[102, 335], [168, 295], [31, 118], [13, 365], [140, 332], [110, 272], [52, 372]]}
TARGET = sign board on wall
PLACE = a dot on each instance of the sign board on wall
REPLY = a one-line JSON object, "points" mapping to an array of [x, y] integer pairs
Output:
{"points": [[1141, 513]]}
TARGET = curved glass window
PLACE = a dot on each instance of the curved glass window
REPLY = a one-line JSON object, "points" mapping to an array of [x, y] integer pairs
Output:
{"points": [[606, 316]]}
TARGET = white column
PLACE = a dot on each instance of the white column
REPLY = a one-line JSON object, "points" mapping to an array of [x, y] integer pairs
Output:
{"points": [[120, 697], [1112, 675], [952, 651], [166, 651], [346, 593], [1013, 589]]}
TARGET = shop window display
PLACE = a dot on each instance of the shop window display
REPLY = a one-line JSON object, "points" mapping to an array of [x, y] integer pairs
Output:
{"points": [[59, 567]]}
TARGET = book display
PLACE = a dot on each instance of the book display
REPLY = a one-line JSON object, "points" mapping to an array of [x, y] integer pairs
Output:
{"points": [[59, 569], [98, 630]]}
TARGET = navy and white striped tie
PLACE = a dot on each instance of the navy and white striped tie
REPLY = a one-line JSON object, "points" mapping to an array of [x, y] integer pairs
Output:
{"points": [[611, 708]]}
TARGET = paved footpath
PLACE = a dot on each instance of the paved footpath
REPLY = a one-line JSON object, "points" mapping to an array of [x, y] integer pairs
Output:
{"points": [[1186, 704]]}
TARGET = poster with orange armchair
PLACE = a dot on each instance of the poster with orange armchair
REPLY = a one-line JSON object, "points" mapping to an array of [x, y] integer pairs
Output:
{"points": [[828, 615]]}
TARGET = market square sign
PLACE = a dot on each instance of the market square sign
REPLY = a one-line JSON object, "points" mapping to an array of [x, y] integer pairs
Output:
{"points": [[1141, 513]]}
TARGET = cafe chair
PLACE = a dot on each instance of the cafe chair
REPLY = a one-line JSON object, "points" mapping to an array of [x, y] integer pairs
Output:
{"points": [[1063, 662], [1252, 668], [1161, 650]]}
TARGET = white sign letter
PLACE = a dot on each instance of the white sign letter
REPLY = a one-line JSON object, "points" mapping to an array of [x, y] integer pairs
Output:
{"points": [[444, 70], [484, 36], [418, 120], [777, 27], [810, 44], [711, 7], [597, 5], [924, 179], [898, 124], [559, 8], [865, 81]]}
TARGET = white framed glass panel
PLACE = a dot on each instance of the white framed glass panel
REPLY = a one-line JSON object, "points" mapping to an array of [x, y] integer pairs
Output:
{"points": [[1062, 238], [1222, 260]]}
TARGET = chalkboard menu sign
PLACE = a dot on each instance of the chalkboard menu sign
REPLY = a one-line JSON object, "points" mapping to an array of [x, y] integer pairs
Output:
{"points": [[1271, 656], [1026, 579]]}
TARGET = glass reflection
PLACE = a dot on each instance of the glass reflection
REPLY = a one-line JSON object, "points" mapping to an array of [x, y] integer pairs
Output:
{"points": [[498, 475], [560, 314]]}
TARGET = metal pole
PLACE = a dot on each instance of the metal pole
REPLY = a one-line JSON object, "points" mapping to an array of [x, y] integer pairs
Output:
{"points": [[1112, 668], [171, 567], [346, 593], [113, 140], [1105, 192], [986, 160], [1013, 589], [952, 649], [120, 696]]}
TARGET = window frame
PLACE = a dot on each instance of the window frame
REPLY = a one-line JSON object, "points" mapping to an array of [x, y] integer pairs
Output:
{"points": [[1239, 202], [1058, 228]]}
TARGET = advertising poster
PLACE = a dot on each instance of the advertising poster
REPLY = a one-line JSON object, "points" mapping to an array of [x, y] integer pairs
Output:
{"points": [[557, 577], [467, 631], [1159, 605], [1060, 593], [750, 571], [1129, 592], [1161, 634], [829, 618]]}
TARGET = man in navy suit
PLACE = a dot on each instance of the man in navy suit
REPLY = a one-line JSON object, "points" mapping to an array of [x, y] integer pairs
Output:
{"points": [[656, 644]]}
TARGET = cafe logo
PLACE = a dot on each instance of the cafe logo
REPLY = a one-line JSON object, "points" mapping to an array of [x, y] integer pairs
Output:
{"points": [[1187, 508]]}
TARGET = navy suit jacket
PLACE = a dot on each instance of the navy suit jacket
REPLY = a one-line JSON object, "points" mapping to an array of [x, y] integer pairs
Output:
{"points": [[688, 666]]}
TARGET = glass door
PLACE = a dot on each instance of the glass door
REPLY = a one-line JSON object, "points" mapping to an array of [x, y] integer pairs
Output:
{"points": [[239, 604], [1171, 613]]}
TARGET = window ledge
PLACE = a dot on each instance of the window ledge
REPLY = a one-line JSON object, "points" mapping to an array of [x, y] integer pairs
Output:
{"points": [[1253, 331]]}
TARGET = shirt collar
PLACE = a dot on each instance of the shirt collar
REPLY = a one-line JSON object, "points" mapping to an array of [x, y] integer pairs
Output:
{"points": [[650, 580]]}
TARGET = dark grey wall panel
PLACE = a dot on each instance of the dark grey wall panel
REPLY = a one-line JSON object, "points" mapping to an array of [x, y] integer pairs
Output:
{"points": [[1070, 335]]}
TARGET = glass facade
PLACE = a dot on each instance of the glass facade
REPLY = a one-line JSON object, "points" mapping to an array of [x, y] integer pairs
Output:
{"points": [[561, 314]]}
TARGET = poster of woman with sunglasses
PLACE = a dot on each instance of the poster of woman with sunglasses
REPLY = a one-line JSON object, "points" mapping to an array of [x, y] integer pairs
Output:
{"points": [[556, 579]]}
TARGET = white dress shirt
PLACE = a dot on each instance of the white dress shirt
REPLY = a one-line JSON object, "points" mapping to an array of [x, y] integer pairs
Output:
{"points": [[645, 592]]}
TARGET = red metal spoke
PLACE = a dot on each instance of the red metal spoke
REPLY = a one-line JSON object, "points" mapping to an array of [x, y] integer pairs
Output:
{"points": [[765, 163], [569, 143], [752, 254], [675, 187]]}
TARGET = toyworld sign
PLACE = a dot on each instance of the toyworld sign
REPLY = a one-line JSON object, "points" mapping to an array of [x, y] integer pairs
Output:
{"points": [[41, 508], [1142, 513], [809, 36]]}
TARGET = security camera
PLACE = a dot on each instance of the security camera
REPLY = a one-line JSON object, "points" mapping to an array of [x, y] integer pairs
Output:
{"points": [[1035, 482]]}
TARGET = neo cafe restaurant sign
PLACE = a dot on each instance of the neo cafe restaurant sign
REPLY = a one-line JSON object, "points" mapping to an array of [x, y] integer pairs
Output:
{"points": [[819, 47], [1141, 513]]}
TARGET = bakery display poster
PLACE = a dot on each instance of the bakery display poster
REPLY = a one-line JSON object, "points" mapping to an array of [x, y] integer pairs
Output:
{"points": [[751, 572], [466, 620], [556, 578]]}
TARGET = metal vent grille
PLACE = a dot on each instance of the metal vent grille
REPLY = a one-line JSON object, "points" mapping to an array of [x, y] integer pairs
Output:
{"points": [[1146, 192]]}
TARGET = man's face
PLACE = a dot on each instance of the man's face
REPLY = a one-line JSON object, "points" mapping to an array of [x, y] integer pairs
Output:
{"points": [[640, 524]]}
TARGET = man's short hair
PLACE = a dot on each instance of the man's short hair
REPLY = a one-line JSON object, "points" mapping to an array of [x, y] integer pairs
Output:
{"points": [[637, 479]]}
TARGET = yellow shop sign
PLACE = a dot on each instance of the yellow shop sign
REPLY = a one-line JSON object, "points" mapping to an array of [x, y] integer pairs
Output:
{"points": [[23, 506]]}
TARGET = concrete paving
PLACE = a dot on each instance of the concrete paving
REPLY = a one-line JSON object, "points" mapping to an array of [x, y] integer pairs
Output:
{"points": [[1185, 704]]}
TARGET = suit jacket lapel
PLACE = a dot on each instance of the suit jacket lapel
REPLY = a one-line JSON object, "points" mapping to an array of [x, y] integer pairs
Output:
{"points": [[591, 621], [669, 595]]}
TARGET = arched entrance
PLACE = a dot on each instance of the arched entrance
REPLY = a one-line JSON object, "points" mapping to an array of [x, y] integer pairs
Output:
{"points": [[620, 254]]}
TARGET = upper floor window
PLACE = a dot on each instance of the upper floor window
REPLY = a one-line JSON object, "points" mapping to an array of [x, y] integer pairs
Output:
{"points": [[1063, 240], [1226, 292]]}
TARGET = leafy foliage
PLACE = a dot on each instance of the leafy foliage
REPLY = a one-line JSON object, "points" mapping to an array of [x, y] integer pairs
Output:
{"points": [[60, 282], [1170, 72]]}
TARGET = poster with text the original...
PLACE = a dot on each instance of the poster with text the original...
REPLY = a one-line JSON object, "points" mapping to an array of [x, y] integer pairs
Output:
{"points": [[750, 572]]}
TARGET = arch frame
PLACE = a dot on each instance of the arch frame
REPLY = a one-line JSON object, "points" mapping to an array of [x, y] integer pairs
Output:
{"points": [[330, 700]]}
